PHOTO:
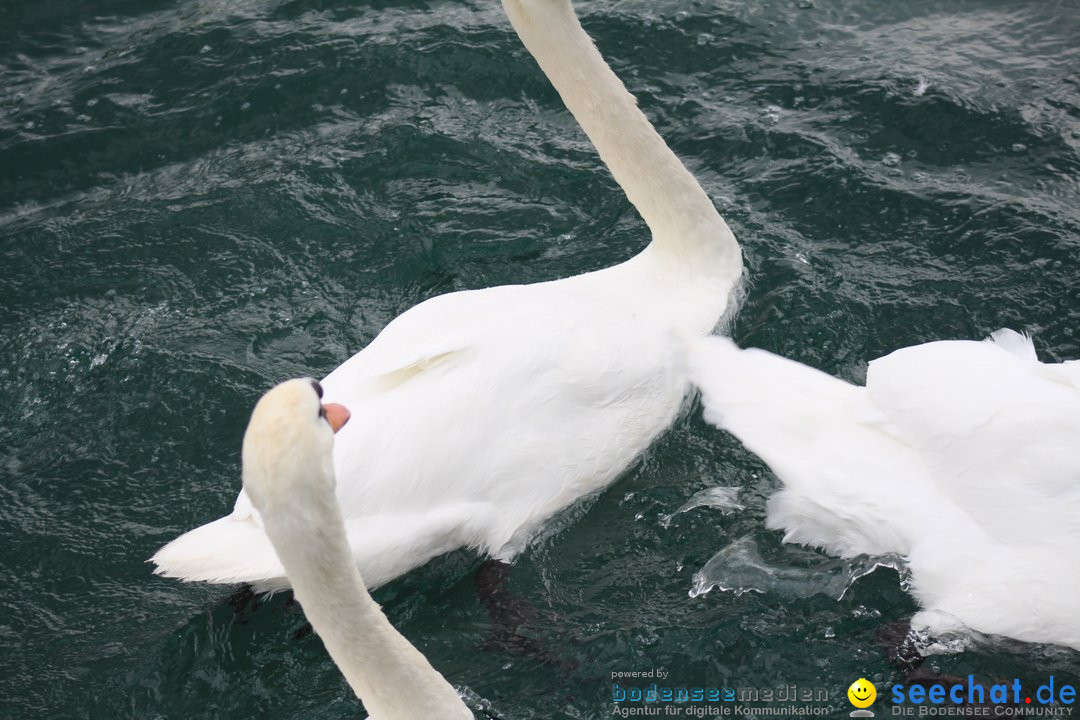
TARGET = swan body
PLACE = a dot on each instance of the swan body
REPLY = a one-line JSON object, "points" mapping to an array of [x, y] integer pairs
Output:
{"points": [[962, 456], [478, 415], [288, 472]]}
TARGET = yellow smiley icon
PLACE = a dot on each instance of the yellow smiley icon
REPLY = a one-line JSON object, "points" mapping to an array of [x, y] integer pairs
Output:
{"points": [[862, 693]]}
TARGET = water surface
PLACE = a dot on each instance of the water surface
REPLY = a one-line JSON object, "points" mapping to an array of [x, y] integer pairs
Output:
{"points": [[199, 199]]}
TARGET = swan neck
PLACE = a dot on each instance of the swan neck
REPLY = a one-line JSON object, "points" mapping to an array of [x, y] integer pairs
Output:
{"points": [[391, 677], [684, 223]]}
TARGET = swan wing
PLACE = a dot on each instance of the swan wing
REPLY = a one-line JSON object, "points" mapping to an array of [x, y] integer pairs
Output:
{"points": [[997, 429]]}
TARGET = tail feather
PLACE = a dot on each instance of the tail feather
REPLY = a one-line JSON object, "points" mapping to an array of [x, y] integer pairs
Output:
{"points": [[761, 397], [235, 549], [1019, 344], [226, 551]]}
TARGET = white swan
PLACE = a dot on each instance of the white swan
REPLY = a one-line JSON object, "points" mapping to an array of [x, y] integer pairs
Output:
{"points": [[289, 475], [478, 415], [962, 456]]}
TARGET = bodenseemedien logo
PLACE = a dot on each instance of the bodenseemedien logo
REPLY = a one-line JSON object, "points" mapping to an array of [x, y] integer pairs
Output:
{"points": [[862, 694]]}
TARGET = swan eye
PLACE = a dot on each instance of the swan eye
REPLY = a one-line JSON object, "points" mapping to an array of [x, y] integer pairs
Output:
{"points": [[322, 413], [318, 388]]}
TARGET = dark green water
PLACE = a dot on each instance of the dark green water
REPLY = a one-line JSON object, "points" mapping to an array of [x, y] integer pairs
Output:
{"points": [[198, 199]]}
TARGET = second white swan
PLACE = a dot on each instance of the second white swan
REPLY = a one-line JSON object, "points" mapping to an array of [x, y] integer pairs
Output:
{"points": [[963, 457]]}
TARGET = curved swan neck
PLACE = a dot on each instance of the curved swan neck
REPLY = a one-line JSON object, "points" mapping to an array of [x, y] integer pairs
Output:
{"points": [[683, 221], [392, 678]]}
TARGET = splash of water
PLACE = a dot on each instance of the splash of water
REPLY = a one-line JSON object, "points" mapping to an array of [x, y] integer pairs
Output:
{"points": [[740, 568]]}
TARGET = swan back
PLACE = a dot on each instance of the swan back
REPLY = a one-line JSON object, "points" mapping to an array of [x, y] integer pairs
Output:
{"points": [[996, 427], [288, 474]]}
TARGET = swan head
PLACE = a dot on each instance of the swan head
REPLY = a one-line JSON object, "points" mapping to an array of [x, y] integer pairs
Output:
{"points": [[288, 442]]}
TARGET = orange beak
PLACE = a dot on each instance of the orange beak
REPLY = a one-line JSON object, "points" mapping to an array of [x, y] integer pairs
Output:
{"points": [[336, 415]]}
